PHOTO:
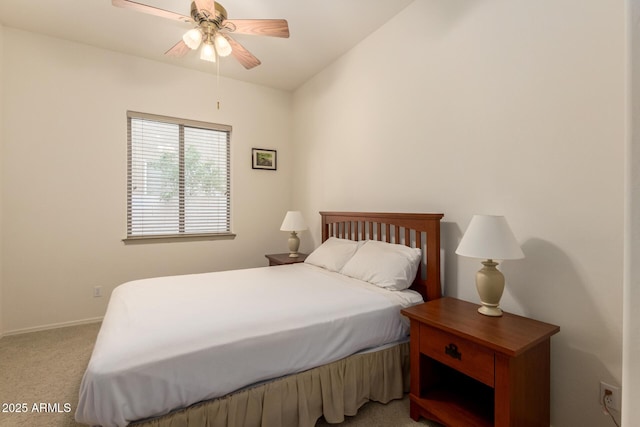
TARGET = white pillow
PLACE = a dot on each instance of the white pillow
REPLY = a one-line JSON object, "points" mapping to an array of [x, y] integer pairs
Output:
{"points": [[333, 254], [384, 264]]}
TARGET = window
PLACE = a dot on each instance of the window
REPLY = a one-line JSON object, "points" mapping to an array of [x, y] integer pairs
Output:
{"points": [[177, 177]]}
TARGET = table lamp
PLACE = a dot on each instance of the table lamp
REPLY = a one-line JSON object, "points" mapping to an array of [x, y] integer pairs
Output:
{"points": [[489, 237], [293, 221]]}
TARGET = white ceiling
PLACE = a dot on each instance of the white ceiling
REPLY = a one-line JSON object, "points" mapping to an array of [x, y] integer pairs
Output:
{"points": [[321, 31]]}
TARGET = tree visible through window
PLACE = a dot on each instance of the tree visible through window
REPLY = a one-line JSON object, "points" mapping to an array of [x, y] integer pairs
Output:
{"points": [[178, 177]]}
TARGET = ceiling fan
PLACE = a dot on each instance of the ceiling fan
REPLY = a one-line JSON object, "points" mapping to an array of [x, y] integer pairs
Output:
{"points": [[212, 30]]}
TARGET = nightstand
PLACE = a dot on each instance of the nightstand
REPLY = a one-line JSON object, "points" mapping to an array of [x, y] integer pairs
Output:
{"points": [[282, 259], [473, 370]]}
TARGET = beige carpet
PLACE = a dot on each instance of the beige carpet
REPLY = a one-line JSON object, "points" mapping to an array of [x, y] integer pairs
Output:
{"points": [[41, 372], [44, 368]]}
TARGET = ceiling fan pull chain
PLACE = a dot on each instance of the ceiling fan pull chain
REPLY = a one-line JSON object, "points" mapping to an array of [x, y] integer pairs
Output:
{"points": [[218, 83]]}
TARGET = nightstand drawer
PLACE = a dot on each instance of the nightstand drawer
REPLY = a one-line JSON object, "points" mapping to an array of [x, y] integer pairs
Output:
{"points": [[458, 353]]}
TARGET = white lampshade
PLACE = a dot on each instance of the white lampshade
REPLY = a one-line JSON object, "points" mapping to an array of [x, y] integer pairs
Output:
{"points": [[293, 221], [208, 52], [489, 237], [192, 38], [222, 45]]}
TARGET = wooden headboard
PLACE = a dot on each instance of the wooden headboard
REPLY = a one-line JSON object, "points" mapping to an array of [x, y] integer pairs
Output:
{"points": [[416, 230]]}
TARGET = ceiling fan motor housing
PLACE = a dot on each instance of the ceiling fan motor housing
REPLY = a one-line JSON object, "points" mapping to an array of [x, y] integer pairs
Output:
{"points": [[203, 17]]}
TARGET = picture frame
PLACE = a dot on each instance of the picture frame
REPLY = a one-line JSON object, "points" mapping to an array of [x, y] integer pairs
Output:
{"points": [[264, 159]]}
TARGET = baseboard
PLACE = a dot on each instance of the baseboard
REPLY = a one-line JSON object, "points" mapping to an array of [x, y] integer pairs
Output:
{"points": [[51, 326]]}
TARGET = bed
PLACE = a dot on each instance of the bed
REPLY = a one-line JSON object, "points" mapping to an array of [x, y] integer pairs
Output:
{"points": [[269, 346]]}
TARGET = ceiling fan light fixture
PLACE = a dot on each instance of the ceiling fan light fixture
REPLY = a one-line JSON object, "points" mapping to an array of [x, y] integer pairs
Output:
{"points": [[222, 45], [208, 52], [192, 38]]}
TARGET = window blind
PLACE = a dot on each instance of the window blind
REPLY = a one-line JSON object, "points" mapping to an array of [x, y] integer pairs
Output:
{"points": [[178, 177]]}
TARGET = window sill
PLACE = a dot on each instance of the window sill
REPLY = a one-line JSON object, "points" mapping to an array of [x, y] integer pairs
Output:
{"points": [[166, 238]]}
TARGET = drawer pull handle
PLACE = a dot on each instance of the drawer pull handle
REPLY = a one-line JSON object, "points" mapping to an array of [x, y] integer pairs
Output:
{"points": [[452, 350]]}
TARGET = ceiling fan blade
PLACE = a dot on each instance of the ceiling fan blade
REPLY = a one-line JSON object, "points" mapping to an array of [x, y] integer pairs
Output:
{"points": [[208, 5], [259, 27], [243, 56], [128, 4], [178, 50]]}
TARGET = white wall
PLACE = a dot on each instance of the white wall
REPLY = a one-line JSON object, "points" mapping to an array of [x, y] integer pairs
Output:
{"points": [[631, 347], [64, 174], [506, 107]]}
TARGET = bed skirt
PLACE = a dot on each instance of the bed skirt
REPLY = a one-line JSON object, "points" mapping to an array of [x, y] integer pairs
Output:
{"points": [[332, 390]]}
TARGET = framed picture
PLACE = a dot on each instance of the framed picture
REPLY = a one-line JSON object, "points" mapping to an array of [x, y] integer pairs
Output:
{"points": [[264, 159]]}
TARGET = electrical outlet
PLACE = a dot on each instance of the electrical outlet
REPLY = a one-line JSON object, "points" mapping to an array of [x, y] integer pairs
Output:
{"points": [[97, 291], [610, 395]]}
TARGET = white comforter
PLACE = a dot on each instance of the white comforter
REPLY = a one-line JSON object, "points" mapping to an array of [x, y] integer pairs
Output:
{"points": [[169, 342]]}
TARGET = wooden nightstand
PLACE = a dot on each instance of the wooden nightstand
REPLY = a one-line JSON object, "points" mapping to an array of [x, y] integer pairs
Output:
{"points": [[282, 259], [473, 370]]}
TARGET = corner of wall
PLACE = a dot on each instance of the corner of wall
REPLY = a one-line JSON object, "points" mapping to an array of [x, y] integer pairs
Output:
{"points": [[631, 292], [1, 174]]}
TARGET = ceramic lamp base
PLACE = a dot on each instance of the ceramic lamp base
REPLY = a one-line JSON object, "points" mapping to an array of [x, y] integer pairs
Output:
{"points": [[294, 244], [490, 285], [490, 311]]}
